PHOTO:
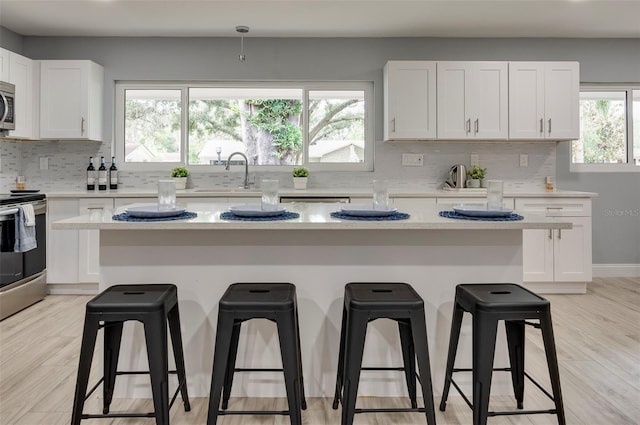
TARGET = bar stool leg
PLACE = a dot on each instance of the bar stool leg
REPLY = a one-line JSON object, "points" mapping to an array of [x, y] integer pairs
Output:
{"points": [[303, 402], [288, 345], [155, 329], [220, 358], [112, 339], [408, 359], [419, 331], [552, 363], [454, 336], [484, 343], [341, 360], [515, 341], [89, 336], [354, 349], [231, 364], [173, 318]]}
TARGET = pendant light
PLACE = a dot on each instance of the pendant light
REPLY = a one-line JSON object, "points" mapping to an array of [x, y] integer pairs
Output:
{"points": [[242, 30]]}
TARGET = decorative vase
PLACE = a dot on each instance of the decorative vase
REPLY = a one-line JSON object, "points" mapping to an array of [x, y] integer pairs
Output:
{"points": [[181, 182], [300, 182], [474, 183]]}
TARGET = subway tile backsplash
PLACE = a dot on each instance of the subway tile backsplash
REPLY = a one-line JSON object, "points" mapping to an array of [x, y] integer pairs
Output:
{"points": [[68, 162]]}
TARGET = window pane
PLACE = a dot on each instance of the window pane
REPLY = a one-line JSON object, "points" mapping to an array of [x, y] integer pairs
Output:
{"points": [[636, 127], [602, 129], [336, 126], [152, 126], [264, 124]]}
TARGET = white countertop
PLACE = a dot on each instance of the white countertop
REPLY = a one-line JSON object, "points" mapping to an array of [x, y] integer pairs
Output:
{"points": [[313, 216]]}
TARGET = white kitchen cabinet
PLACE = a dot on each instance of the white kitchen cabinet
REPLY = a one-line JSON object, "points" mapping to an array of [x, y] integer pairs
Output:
{"points": [[562, 255], [19, 71], [472, 100], [89, 240], [544, 100], [409, 100], [71, 96], [62, 245]]}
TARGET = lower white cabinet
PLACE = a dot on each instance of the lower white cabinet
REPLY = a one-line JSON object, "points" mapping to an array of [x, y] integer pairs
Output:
{"points": [[89, 240], [561, 255], [62, 245]]}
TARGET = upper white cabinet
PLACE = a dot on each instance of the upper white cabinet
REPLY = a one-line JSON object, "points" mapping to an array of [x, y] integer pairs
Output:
{"points": [[472, 100], [409, 100], [71, 100], [544, 100], [19, 71]]}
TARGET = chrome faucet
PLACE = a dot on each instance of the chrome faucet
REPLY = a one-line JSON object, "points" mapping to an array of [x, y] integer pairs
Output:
{"points": [[246, 167]]}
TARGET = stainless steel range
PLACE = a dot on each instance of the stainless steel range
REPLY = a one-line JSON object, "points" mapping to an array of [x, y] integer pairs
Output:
{"points": [[22, 274]]}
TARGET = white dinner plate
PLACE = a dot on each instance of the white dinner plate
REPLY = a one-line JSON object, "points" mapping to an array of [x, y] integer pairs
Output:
{"points": [[255, 210], [366, 210], [481, 211], [151, 211]]}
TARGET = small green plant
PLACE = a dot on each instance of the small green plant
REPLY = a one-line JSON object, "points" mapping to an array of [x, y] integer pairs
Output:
{"points": [[179, 172], [300, 172], [476, 173]]}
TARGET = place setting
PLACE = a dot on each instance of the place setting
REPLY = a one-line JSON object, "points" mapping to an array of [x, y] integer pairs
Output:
{"points": [[165, 210], [493, 211], [269, 208], [380, 210]]}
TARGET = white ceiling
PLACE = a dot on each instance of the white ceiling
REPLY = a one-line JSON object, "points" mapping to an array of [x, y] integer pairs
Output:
{"points": [[324, 18]]}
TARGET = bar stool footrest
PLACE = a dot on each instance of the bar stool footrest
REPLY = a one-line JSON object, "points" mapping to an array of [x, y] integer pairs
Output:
{"points": [[254, 412]]}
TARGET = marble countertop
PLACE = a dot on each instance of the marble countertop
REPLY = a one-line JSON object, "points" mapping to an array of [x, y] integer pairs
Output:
{"points": [[313, 216]]}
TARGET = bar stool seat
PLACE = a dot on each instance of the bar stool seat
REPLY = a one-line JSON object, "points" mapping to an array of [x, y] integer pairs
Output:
{"points": [[489, 304], [152, 304], [366, 302], [245, 301]]}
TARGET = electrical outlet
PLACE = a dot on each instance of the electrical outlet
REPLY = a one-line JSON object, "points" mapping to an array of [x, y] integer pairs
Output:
{"points": [[475, 159], [524, 160], [412, 159], [44, 163]]}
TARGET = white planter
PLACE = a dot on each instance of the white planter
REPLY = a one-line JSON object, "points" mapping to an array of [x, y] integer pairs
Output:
{"points": [[473, 183], [181, 182], [300, 182]]}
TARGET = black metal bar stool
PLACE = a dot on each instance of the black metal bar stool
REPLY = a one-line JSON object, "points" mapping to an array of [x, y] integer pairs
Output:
{"points": [[488, 304], [245, 301], [366, 302], [154, 306]]}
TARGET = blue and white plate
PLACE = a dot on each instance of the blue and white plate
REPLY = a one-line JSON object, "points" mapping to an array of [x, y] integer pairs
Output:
{"points": [[255, 210], [152, 211], [366, 210], [482, 211]]}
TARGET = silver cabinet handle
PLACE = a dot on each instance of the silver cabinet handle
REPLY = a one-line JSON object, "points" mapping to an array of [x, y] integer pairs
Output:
{"points": [[541, 126], [550, 233], [549, 126], [477, 125], [469, 125], [82, 126], [393, 121]]}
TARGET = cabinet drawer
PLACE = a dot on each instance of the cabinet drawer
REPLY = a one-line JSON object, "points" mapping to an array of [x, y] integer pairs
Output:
{"points": [[451, 202], [560, 207]]}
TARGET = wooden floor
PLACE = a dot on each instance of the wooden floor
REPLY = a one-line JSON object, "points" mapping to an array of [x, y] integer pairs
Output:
{"points": [[597, 337]]}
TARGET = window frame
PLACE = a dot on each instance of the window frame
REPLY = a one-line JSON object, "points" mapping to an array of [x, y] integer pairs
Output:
{"points": [[629, 166], [306, 86]]}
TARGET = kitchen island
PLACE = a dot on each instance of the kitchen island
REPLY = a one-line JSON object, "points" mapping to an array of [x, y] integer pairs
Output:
{"points": [[319, 254]]}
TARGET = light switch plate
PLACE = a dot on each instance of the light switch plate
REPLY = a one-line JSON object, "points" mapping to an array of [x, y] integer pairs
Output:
{"points": [[475, 159], [524, 160], [44, 163], [412, 159]]}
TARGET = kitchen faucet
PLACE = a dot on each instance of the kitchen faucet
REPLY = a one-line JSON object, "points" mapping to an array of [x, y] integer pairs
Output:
{"points": [[246, 167]]}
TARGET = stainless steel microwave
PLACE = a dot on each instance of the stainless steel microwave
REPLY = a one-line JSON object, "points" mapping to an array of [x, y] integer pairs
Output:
{"points": [[7, 106]]}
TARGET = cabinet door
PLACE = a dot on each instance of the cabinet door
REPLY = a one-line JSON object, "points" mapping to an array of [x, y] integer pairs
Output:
{"points": [[21, 74], [63, 103], [4, 65], [526, 100], [488, 99], [410, 100], [537, 255], [453, 83], [62, 245], [572, 252], [562, 100], [89, 240]]}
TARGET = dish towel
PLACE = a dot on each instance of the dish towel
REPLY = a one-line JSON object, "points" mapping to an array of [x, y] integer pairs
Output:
{"points": [[25, 229]]}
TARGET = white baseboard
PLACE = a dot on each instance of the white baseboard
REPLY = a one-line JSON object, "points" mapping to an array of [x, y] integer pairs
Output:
{"points": [[72, 288], [616, 270]]}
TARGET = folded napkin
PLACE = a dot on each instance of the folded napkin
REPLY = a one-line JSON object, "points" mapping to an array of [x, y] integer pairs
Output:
{"points": [[25, 233]]}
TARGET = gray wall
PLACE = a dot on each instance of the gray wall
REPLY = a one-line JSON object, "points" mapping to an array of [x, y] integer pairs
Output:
{"points": [[616, 211], [10, 40]]}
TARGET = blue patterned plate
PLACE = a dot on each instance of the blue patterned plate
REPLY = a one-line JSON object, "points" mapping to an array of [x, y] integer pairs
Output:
{"points": [[151, 211], [255, 210], [366, 210], [481, 211]]}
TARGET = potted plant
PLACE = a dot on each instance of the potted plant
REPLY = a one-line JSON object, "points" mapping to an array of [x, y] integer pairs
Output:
{"points": [[475, 175], [300, 177], [180, 174]]}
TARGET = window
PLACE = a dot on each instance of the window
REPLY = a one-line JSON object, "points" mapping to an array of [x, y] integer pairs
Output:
{"points": [[609, 130], [325, 126]]}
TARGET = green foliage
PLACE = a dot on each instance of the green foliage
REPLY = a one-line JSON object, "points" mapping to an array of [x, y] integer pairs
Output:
{"points": [[603, 132], [276, 117], [179, 172], [476, 172], [300, 172]]}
